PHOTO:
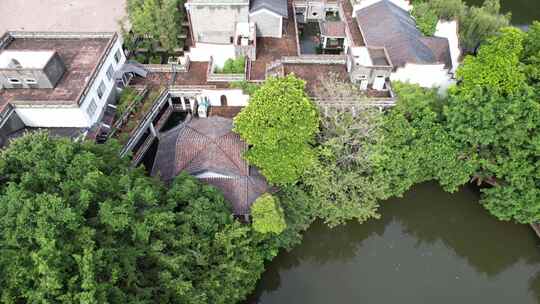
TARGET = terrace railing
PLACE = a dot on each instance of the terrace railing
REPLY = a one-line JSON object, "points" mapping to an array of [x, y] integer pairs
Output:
{"points": [[148, 119]]}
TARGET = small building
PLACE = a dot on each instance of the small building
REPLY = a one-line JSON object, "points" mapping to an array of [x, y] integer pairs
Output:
{"points": [[208, 149], [333, 35], [220, 29], [269, 17], [415, 58], [369, 67], [56, 80]]}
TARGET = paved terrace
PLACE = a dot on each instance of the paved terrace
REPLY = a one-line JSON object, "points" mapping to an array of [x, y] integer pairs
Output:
{"points": [[61, 15], [196, 76], [313, 79], [81, 57], [270, 49]]}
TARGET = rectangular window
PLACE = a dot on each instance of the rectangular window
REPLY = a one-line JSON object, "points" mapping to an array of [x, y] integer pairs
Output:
{"points": [[92, 107], [117, 56], [110, 72], [101, 90], [30, 81], [14, 80]]}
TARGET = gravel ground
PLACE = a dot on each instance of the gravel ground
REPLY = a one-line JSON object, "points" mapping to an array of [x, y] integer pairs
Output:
{"points": [[61, 15]]}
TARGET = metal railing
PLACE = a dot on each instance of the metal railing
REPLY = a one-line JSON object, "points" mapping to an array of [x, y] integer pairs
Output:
{"points": [[145, 122]]}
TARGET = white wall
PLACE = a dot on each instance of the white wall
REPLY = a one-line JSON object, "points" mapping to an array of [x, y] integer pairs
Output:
{"points": [[427, 76], [53, 117], [235, 97], [220, 52], [449, 30], [109, 85], [269, 24]]}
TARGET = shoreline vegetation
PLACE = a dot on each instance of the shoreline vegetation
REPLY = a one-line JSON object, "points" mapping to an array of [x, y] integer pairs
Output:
{"points": [[78, 224]]}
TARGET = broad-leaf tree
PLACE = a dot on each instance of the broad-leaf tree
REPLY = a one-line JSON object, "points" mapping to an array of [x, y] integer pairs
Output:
{"points": [[495, 119], [279, 124], [158, 20], [267, 215], [77, 225], [415, 145]]}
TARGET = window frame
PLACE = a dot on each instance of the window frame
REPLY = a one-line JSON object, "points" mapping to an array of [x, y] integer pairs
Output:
{"points": [[117, 56], [30, 81], [110, 72], [13, 80], [101, 90], [92, 108]]}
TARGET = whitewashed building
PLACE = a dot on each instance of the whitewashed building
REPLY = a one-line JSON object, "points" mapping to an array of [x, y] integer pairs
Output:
{"points": [[56, 80], [415, 58], [224, 29]]}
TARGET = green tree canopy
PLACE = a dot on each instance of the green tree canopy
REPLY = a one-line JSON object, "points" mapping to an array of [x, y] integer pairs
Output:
{"points": [[415, 145], [160, 20], [77, 225], [497, 67], [426, 18], [480, 23], [267, 215], [279, 124], [495, 119]]}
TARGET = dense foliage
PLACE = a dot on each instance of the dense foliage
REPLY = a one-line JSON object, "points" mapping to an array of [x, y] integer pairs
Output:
{"points": [[77, 225], [159, 20], [426, 18], [233, 66], [415, 145], [267, 215], [476, 24], [487, 129], [494, 116], [341, 183], [279, 124]]}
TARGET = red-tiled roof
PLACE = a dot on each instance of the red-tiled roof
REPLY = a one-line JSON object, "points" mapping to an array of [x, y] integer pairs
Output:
{"points": [[333, 28], [208, 145]]}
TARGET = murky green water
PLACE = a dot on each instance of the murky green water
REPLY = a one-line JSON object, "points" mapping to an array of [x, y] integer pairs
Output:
{"points": [[524, 12], [429, 247]]}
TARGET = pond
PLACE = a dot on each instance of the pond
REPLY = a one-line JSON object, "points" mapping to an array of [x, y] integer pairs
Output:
{"points": [[429, 247], [524, 12]]}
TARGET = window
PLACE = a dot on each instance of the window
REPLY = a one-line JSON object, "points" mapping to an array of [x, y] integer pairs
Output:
{"points": [[110, 72], [30, 81], [117, 56], [92, 107], [14, 80], [101, 90], [223, 100]]}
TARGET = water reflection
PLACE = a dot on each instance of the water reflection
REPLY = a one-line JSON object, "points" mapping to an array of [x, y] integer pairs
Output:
{"points": [[428, 245]]}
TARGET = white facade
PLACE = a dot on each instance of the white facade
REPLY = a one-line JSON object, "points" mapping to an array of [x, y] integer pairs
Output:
{"points": [[235, 97], [449, 30], [109, 84], [269, 24], [77, 116], [425, 75]]}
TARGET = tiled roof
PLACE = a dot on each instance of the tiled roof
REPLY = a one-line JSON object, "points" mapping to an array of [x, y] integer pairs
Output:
{"points": [[277, 6], [333, 28], [386, 24], [208, 145]]}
